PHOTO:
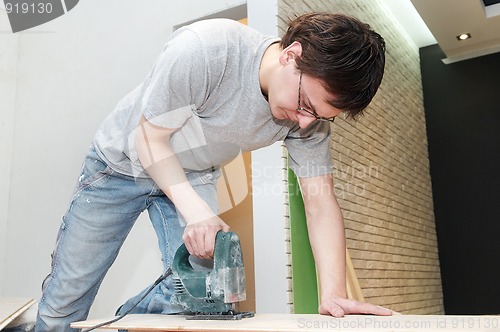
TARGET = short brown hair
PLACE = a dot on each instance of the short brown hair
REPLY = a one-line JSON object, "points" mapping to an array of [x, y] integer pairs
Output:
{"points": [[344, 53]]}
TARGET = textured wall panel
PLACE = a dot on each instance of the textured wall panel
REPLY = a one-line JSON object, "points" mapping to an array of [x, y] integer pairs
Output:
{"points": [[382, 178]]}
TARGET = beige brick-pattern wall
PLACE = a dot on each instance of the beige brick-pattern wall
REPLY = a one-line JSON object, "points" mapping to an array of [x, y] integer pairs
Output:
{"points": [[382, 178]]}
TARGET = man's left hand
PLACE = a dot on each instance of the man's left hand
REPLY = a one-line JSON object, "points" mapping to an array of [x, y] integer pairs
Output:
{"points": [[338, 307]]}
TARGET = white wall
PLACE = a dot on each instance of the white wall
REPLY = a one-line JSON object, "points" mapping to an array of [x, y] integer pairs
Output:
{"points": [[8, 77], [70, 74]]}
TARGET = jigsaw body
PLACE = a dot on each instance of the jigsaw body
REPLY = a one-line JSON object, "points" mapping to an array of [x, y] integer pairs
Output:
{"points": [[215, 293]]}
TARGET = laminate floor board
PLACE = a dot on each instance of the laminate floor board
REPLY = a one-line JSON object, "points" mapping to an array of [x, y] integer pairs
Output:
{"points": [[296, 323], [12, 307]]}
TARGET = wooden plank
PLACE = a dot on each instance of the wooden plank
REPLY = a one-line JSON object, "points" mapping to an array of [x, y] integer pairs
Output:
{"points": [[305, 322], [12, 307], [353, 289]]}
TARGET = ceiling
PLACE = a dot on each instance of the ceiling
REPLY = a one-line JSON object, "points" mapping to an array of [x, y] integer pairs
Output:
{"points": [[429, 22]]}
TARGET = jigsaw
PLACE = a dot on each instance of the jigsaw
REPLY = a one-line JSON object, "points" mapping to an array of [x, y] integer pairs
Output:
{"points": [[212, 294]]}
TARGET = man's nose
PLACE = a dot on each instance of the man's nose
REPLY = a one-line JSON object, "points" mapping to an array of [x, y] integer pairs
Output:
{"points": [[305, 121]]}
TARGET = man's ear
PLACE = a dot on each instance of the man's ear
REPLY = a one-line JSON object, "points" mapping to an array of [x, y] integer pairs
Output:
{"points": [[291, 52]]}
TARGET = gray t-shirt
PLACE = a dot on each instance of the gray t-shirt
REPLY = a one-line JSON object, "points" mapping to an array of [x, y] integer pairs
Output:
{"points": [[206, 84]]}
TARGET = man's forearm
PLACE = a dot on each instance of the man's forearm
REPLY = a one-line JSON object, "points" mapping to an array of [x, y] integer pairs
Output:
{"points": [[162, 165], [326, 234]]}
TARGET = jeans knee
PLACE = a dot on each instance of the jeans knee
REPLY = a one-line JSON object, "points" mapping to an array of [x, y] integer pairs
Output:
{"points": [[55, 318]]}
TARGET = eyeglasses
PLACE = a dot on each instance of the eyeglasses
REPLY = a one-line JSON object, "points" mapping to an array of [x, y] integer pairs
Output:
{"points": [[305, 112]]}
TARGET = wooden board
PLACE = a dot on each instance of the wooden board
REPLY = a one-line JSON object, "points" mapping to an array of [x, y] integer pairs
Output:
{"points": [[354, 291], [12, 307], [305, 322]]}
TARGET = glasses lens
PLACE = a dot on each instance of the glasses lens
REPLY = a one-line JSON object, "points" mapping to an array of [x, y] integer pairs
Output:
{"points": [[305, 112]]}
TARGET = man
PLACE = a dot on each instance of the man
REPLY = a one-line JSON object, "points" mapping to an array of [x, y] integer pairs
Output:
{"points": [[218, 88]]}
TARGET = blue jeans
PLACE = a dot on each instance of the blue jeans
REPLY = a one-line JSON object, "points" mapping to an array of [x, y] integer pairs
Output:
{"points": [[102, 211]]}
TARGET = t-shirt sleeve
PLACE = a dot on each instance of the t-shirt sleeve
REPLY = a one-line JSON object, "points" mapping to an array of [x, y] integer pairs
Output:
{"points": [[309, 150], [178, 82]]}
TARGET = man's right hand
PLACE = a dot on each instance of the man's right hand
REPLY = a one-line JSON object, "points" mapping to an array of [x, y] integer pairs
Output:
{"points": [[199, 237]]}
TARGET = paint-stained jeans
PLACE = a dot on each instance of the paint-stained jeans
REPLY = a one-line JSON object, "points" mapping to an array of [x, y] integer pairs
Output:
{"points": [[102, 211]]}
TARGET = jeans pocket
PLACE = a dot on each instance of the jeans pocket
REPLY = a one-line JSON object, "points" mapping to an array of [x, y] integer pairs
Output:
{"points": [[93, 170], [92, 179], [204, 177]]}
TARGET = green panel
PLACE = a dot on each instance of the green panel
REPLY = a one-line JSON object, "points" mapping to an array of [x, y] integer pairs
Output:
{"points": [[305, 287]]}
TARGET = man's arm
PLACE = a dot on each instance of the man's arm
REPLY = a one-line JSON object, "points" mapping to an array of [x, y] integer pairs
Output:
{"points": [[327, 236], [159, 160]]}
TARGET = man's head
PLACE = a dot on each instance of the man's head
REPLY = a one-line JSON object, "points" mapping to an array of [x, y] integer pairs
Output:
{"points": [[342, 52]]}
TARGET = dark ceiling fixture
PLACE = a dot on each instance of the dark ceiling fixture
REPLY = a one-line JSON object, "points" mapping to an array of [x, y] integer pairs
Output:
{"points": [[491, 2]]}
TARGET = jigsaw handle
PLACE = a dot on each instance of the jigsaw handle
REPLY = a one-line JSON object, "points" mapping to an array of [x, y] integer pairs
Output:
{"points": [[224, 241]]}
